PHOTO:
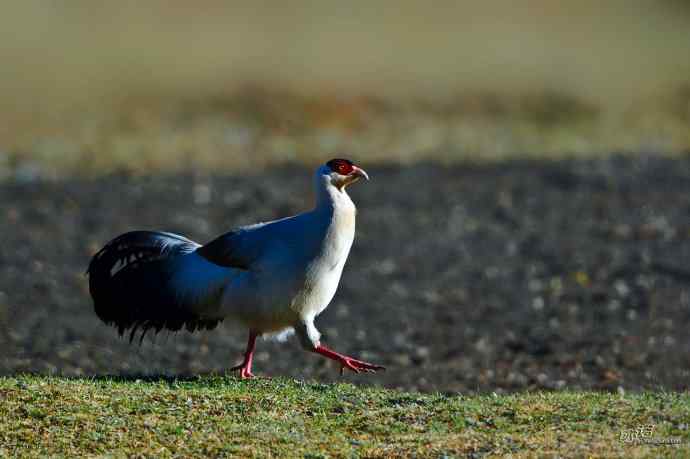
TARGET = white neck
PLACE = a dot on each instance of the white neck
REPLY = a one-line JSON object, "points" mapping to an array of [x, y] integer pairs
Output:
{"points": [[330, 197]]}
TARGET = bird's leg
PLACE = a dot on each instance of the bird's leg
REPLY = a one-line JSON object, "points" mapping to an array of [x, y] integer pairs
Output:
{"points": [[347, 362], [246, 366], [309, 338]]}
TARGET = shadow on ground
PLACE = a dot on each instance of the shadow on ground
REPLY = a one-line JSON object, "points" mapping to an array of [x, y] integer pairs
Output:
{"points": [[516, 275]]}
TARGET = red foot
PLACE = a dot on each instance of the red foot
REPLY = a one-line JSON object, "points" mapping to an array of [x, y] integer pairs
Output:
{"points": [[246, 366], [245, 370], [348, 362]]}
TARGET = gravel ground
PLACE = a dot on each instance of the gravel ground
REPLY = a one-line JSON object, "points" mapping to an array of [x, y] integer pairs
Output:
{"points": [[569, 274]]}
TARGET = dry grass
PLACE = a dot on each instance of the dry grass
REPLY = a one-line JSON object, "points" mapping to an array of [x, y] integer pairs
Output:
{"points": [[159, 87], [254, 127]]}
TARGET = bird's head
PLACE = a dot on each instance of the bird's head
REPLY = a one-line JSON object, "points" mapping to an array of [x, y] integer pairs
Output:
{"points": [[341, 172]]}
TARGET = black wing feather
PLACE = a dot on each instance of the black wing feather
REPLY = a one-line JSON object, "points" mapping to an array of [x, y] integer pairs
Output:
{"points": [[129, 281]]}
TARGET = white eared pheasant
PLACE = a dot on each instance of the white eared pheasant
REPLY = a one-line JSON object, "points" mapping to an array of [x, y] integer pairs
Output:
{"points": [[271, 277]]}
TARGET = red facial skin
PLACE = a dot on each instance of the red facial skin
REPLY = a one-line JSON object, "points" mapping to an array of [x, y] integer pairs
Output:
{"points": [[341, 166]]}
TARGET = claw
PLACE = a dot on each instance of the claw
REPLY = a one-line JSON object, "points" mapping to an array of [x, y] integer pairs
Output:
{"points": [[245, 372], [345, 361]]}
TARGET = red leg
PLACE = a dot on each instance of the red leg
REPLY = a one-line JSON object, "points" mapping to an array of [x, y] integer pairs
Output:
{"points": [[246, 366], [348, 362]]}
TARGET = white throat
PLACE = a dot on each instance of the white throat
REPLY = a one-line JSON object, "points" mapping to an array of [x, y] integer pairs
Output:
{"points": [[329, 196]]}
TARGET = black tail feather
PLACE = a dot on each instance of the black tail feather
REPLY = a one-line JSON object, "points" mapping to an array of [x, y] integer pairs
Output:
{"points": [[129, 281]]}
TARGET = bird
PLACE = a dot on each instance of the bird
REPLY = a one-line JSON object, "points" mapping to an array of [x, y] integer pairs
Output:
{"points": [[273, 278]]}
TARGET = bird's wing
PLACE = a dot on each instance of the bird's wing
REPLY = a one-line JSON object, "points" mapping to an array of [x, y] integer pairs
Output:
{"points": [[243, 246]]}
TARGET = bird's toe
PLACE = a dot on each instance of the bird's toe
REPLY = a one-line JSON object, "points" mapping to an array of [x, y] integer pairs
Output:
{"points": [[246, 374]]}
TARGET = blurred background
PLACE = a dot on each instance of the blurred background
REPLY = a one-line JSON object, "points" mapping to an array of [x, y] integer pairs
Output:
{"points": [[93, 87], [551, 138]]}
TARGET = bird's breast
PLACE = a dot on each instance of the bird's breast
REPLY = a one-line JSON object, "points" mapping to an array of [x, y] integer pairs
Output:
{"points": [[299, 272], [323, 271]]}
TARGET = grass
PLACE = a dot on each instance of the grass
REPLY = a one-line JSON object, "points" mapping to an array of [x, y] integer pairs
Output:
{"points": [[223, 416]]}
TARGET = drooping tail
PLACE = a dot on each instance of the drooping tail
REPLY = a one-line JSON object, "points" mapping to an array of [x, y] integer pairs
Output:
{"points": [[131, 281]]}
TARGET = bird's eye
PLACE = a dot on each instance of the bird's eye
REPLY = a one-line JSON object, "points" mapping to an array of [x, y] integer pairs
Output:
{"points": [[341, 166]]}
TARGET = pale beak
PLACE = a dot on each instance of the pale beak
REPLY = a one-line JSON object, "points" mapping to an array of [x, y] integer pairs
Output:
{"points": [[360, 173], [356, 174]]}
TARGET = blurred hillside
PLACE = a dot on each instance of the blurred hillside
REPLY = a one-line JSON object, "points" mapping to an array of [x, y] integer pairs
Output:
{"points": [[397, 80]]}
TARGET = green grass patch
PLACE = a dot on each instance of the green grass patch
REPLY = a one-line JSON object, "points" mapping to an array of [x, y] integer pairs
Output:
{"points": [[223, 416]]}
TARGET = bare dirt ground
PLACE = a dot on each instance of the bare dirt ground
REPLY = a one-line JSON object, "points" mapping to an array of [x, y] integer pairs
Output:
{"points": [[531, 274]]}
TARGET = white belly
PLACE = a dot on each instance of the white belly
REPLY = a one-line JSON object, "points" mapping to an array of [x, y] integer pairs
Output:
{"points": [[318, 290]]}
